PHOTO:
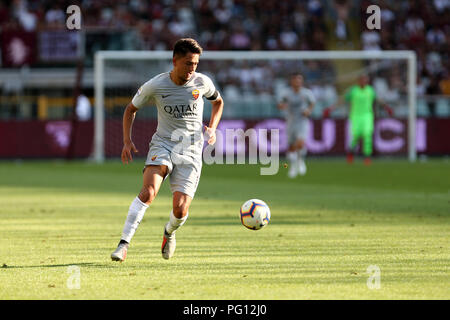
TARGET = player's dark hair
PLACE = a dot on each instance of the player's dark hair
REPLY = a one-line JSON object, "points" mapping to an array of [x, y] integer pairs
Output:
{"points": [[296, 74], [185, 45], [363, 74]]}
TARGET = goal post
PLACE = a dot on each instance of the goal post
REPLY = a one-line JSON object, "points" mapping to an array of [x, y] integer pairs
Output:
{"points": [[120, 57]]}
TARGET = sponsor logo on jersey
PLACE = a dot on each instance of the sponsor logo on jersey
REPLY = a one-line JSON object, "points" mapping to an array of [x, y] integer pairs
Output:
{"points": [[195, 94], [182, 110]]}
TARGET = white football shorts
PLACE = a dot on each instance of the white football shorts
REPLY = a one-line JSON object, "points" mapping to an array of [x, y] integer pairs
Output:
{"points": [[297, 130], [183, 170]]}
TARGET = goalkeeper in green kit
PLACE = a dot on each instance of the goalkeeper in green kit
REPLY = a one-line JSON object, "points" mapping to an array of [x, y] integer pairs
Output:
{"points": [[361, 98]]}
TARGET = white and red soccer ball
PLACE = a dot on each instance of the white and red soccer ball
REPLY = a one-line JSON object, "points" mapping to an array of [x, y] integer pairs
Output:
{"points": [[255, 214]]}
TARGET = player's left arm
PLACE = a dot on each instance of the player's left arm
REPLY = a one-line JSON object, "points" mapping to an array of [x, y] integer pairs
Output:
{"points": [[383, 104], [311, 103], [341, 101], [216, 114]]}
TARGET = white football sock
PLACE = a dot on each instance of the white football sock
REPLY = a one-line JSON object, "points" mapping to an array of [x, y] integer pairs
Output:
{"points": [[301, 161], [292, 157], [175, 223], [134, 218], [302, 153]]}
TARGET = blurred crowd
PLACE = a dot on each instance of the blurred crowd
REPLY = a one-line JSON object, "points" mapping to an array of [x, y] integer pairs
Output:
{"points": [[420, 25]]}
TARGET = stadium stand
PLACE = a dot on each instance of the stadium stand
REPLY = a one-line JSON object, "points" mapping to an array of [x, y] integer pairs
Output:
{"points": [[220, 25]]}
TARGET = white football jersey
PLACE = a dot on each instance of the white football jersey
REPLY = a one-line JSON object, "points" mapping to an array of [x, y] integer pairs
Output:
{"points": [[180, 108], [297, 102]]}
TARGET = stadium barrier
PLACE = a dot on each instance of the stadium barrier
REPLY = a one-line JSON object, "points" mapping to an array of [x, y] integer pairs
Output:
{"points": [[328, 137]]}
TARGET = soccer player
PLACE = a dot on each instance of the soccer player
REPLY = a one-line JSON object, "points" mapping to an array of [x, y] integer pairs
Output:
{"points": [[298, 103], [176, 147], [361, 98]]}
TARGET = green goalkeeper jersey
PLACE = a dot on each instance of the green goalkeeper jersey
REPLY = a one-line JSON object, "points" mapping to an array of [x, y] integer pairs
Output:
{"points": [[361, 101]]}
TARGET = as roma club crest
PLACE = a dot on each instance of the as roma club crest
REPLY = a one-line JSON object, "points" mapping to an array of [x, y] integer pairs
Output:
{"points": [[153, 158], [195, 94]]}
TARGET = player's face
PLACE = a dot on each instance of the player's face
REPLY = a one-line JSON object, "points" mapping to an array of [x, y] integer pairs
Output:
{"points": [[185, 67], [297, 81], [363, 81]]}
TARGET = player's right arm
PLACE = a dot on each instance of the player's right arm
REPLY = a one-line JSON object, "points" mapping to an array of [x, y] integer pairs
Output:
{"points": [[341, 102], [311, 103], [128, 145], [383, 104], [140, 99], [282, 105], [283, 102]]}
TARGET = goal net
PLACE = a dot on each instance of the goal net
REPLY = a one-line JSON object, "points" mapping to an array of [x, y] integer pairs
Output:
{"points": [[251, 83]]}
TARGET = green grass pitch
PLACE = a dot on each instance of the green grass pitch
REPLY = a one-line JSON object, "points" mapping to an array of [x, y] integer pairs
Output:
{"points": [[326, 229]]}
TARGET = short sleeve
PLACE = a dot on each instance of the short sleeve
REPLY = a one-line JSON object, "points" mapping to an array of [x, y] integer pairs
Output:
{"points": [[210, 90], [348, 94], [143, 95]]}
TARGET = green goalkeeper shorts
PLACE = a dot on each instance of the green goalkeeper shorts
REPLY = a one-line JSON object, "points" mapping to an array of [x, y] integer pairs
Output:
{"points": [[362, 127]]}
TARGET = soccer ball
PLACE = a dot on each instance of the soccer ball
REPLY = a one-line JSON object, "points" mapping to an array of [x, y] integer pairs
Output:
{"points": [[255, 214]]}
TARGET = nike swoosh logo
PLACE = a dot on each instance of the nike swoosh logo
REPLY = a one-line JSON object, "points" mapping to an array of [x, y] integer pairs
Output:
{"points": [[165, 96]]}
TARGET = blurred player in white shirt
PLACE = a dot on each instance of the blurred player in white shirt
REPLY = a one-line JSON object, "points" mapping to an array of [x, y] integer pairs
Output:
{"points": [[297, 102]]}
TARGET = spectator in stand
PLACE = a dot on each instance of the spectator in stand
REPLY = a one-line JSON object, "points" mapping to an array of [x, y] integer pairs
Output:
{"points": [[419, 25], [415, 28], [441, 5], [371, 40], [55, 17], [289, 38], [239, 39], [435, 37], [433, 89], [444, 84], [342, 10], [27, 19], [4, 13]]}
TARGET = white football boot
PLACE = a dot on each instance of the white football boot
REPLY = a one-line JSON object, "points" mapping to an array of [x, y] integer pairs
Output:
{"points": [[293, 171], [301, 167], [120, 253], [168, 245]]}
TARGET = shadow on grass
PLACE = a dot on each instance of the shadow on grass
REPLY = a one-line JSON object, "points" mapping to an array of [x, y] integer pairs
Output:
{"points": [[87, 264], [386, 189]]}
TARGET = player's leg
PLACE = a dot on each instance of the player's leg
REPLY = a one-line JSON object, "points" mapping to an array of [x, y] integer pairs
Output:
{"points": [[367, 137], [298, 161], [180, 203], [301, 159], [178, 217], [157, 166], [184, 180], [292, 157], [301, 145], [355, 131], [291, 154], [152, 180]]}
